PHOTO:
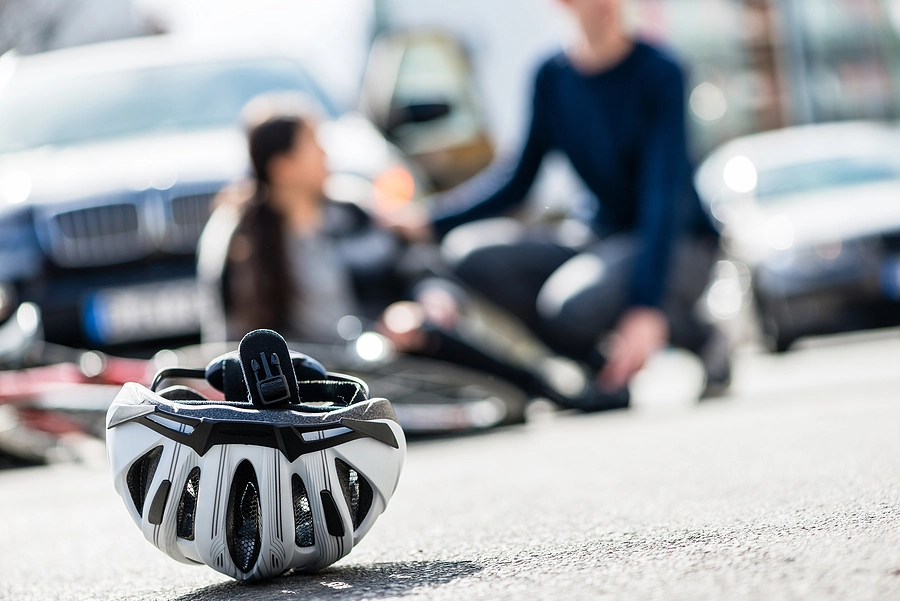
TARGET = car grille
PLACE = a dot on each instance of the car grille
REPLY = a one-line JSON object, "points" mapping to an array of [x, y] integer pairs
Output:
{"points": [[99, 222], [126, 229], [99, 235], [189, 213]]}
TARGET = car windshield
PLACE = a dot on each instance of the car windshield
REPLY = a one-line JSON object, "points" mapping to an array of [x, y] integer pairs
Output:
{"points": [[821, 175], [63, 111]]}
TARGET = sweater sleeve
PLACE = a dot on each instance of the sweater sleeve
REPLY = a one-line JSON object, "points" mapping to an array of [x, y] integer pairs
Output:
{"points": [[662, 160], [505, 183]]}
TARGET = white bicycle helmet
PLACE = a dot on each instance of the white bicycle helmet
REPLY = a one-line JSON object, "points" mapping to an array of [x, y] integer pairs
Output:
{"points": [[282, 474]]}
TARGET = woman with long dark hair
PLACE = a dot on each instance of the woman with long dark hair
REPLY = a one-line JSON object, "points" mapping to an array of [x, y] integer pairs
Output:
{"points": [[302, 264], [283, 219]]}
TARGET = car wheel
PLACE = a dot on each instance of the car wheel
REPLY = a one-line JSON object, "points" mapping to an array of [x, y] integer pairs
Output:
{"points": [[778, 338]]}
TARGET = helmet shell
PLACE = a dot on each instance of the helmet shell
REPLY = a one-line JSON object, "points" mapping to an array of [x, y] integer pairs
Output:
{"points": [[247, 510]]}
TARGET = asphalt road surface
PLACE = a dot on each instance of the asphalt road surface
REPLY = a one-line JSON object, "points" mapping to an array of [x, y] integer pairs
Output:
{"points": [[788, 490]]}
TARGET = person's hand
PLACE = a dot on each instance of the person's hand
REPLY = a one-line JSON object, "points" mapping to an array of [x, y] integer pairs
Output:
{"points": [[411, 222], [402, 324], [640, 332], [440, 307]]}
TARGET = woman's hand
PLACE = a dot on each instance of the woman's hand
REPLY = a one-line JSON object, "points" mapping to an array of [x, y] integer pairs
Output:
{"points": [[402, 324], [641, 331], [440, 307], [411, 222], [403, 321]]}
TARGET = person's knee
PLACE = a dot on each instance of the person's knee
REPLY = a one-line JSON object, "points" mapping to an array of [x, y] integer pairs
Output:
{"points": [[574, 278], [580, 301], [464, 240], [581, 291], [481, 267]]}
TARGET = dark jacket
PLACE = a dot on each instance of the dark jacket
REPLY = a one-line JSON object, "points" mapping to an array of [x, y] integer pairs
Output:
{"points": [[623, 130]]}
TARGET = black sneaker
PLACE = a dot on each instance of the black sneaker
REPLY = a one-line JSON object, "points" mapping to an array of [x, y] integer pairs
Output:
{"points": [[570, 385], [593, 400]]}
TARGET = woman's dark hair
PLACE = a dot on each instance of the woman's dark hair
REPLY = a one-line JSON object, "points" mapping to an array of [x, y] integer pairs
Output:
{"points": [[270, 138], [261, 289]]}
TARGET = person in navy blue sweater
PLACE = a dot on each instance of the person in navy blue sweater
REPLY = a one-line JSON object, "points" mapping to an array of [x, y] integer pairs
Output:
{"points": [[615, 106]]}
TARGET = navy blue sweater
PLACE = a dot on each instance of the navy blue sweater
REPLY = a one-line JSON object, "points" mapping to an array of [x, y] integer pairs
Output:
{"points": [[623, 131]]}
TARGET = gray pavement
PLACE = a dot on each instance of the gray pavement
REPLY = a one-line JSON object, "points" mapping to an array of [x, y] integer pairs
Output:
{"points": [[788, 490]]}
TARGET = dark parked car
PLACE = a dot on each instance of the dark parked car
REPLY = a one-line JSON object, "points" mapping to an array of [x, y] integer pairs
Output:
{"points": [[814, 213], [110, 155]]}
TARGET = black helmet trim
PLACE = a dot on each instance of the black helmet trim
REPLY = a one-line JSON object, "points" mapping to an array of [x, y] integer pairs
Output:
{"points": [[203, 433]]}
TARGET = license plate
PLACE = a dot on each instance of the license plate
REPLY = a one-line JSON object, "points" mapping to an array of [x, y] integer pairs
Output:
{"points": [[142, 312]]}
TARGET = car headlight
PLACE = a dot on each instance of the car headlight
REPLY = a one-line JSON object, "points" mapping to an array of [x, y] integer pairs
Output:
{"points": [[7, 301], [726, 294], [15, 187]]}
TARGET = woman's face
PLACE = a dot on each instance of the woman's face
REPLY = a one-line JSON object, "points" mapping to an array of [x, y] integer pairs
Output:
{"points": [[304, 166], [597, 17]]}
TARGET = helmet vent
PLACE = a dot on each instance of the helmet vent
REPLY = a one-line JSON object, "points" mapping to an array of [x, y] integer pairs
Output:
{"points": [[187, 506], [243, 523], [303, 518], [357, 492], [140, 475]]}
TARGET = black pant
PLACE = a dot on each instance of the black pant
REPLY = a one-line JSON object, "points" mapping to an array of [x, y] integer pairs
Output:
{"points": [[570, 297]]}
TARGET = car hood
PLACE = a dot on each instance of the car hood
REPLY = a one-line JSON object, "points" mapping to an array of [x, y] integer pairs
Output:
{"points": [[821, 217], [52, 175], [160, 161]]}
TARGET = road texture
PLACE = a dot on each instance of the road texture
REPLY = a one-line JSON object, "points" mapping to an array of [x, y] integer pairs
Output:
{"points": [[788, 490]]}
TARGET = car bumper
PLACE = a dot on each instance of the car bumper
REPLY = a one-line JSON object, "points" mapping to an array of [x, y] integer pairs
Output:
{"points": [[118, 306], [860, 294]]}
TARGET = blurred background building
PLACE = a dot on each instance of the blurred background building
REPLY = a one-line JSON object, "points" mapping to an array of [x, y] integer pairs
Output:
{"points": [[37, 25]]}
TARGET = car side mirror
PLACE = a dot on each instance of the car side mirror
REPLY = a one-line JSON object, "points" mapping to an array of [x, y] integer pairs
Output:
{"points": [[416, 113], [419, 90]]}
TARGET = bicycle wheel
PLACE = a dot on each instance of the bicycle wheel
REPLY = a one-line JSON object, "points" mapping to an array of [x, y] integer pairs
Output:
{"points": [[430, 396]]}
